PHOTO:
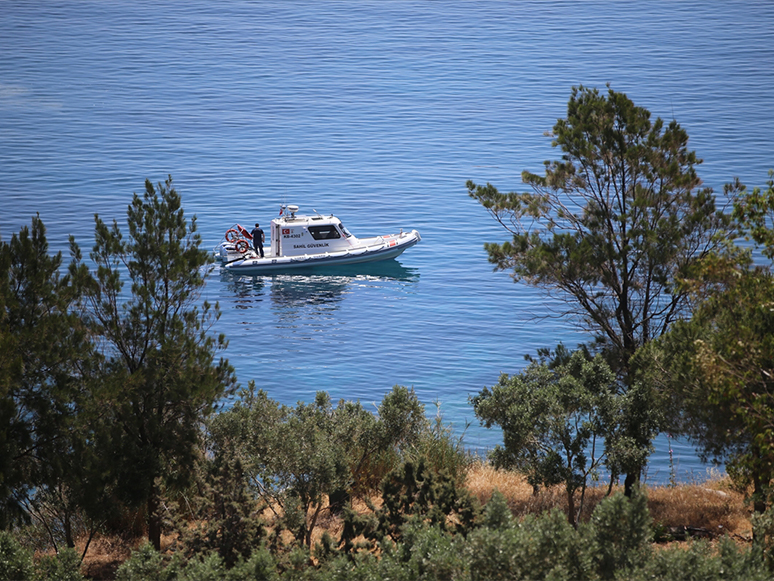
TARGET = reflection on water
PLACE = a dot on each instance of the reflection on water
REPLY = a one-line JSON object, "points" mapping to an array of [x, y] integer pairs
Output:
{"points": [[295, 296], [313, 292], [245, 289]]}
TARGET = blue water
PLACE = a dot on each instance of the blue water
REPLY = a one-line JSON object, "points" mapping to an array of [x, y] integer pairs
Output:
{"points": [[376, 111]]}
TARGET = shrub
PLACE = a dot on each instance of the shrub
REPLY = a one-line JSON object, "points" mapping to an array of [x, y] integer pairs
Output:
{"points": [[763, 530], [700, 561], [15, 561], [204, 568], [226, 515], [620, 530], [544, 547], [144, 564], [497, 514], [260, 567], [429, 552], [64, 566]]}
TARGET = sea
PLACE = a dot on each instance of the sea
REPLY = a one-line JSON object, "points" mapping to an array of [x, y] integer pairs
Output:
{"points": [[378, 112]]}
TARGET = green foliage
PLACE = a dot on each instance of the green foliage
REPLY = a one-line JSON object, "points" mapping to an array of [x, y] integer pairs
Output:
{"points": [[297, 456], [612, 224], [610, 229], [719, 370], [413, 495], [378, 443], [558, 420], [620, 530], [441, 449], [613, 545], [64, 566], [326, 549], [754, 211], [429, 552], [497, 514], [205, 567], [544, 547], [44, 353], [159, 378], [700, 561], [294, 456], [261, 566], [144, 564], [219, 514], [763, 536], [15, 561]]}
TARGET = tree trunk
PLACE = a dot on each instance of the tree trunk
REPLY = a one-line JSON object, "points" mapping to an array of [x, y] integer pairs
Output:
{"points": [[613, 479], [759, 499], [632, 479], [68, 529], [154, 519], [571, 508]]}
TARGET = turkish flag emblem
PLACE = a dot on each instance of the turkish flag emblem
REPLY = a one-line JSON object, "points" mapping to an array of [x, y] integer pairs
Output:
{"points": [[286, 230]]}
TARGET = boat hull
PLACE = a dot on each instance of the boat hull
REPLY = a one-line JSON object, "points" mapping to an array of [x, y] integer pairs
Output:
{"points": [[391, 247]]}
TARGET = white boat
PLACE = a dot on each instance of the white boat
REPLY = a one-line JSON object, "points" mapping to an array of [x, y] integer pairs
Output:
{"points": [[297, 241]]}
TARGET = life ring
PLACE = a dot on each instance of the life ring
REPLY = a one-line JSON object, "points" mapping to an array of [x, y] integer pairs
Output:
{"points": [[231, 235], [241, 246]]}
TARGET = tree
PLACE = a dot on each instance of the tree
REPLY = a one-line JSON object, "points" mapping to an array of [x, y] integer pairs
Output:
{"points": [[221, 514], [159, 378], [293, 456], [719, 366], [414, 496], [610, 228], [44, 355], [299, 456], [558, 422], [754, 211]]}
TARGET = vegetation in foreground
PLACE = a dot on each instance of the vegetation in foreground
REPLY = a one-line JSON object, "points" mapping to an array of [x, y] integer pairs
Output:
{"points": [[696, 531], [110, 381]]}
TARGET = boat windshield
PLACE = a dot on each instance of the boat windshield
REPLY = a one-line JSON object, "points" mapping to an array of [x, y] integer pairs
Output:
{"points": [[343, 229]]}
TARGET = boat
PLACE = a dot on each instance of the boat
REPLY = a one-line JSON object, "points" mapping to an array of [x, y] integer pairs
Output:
{"points": [[303, 241]]}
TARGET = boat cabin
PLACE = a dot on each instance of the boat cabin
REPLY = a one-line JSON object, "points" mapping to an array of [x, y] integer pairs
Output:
{"points": [[294, 235]]}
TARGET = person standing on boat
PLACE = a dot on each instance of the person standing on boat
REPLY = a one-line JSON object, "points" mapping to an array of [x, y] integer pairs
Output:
{"points": [[258, 239]]}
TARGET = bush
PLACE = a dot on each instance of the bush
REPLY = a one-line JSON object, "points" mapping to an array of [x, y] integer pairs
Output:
{"points": [[497, 515], [145, 564], [204, 568], [64, 566], [260, 567], [620, 530], [700, 562], [15, 561], [441, 450], [763, 530], [544, 547], [226, 518], [429, 552]]}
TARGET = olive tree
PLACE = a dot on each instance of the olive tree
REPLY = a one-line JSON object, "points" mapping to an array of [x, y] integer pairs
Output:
{"points": [[609, 229], [300, 458], [559, 420]]}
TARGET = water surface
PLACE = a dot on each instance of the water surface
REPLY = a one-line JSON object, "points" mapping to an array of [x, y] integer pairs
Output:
{"points": [[378, 112]]}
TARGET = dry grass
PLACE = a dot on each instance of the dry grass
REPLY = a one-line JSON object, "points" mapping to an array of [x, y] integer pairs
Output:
{"points": [[712, 505], [105, 555]]}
